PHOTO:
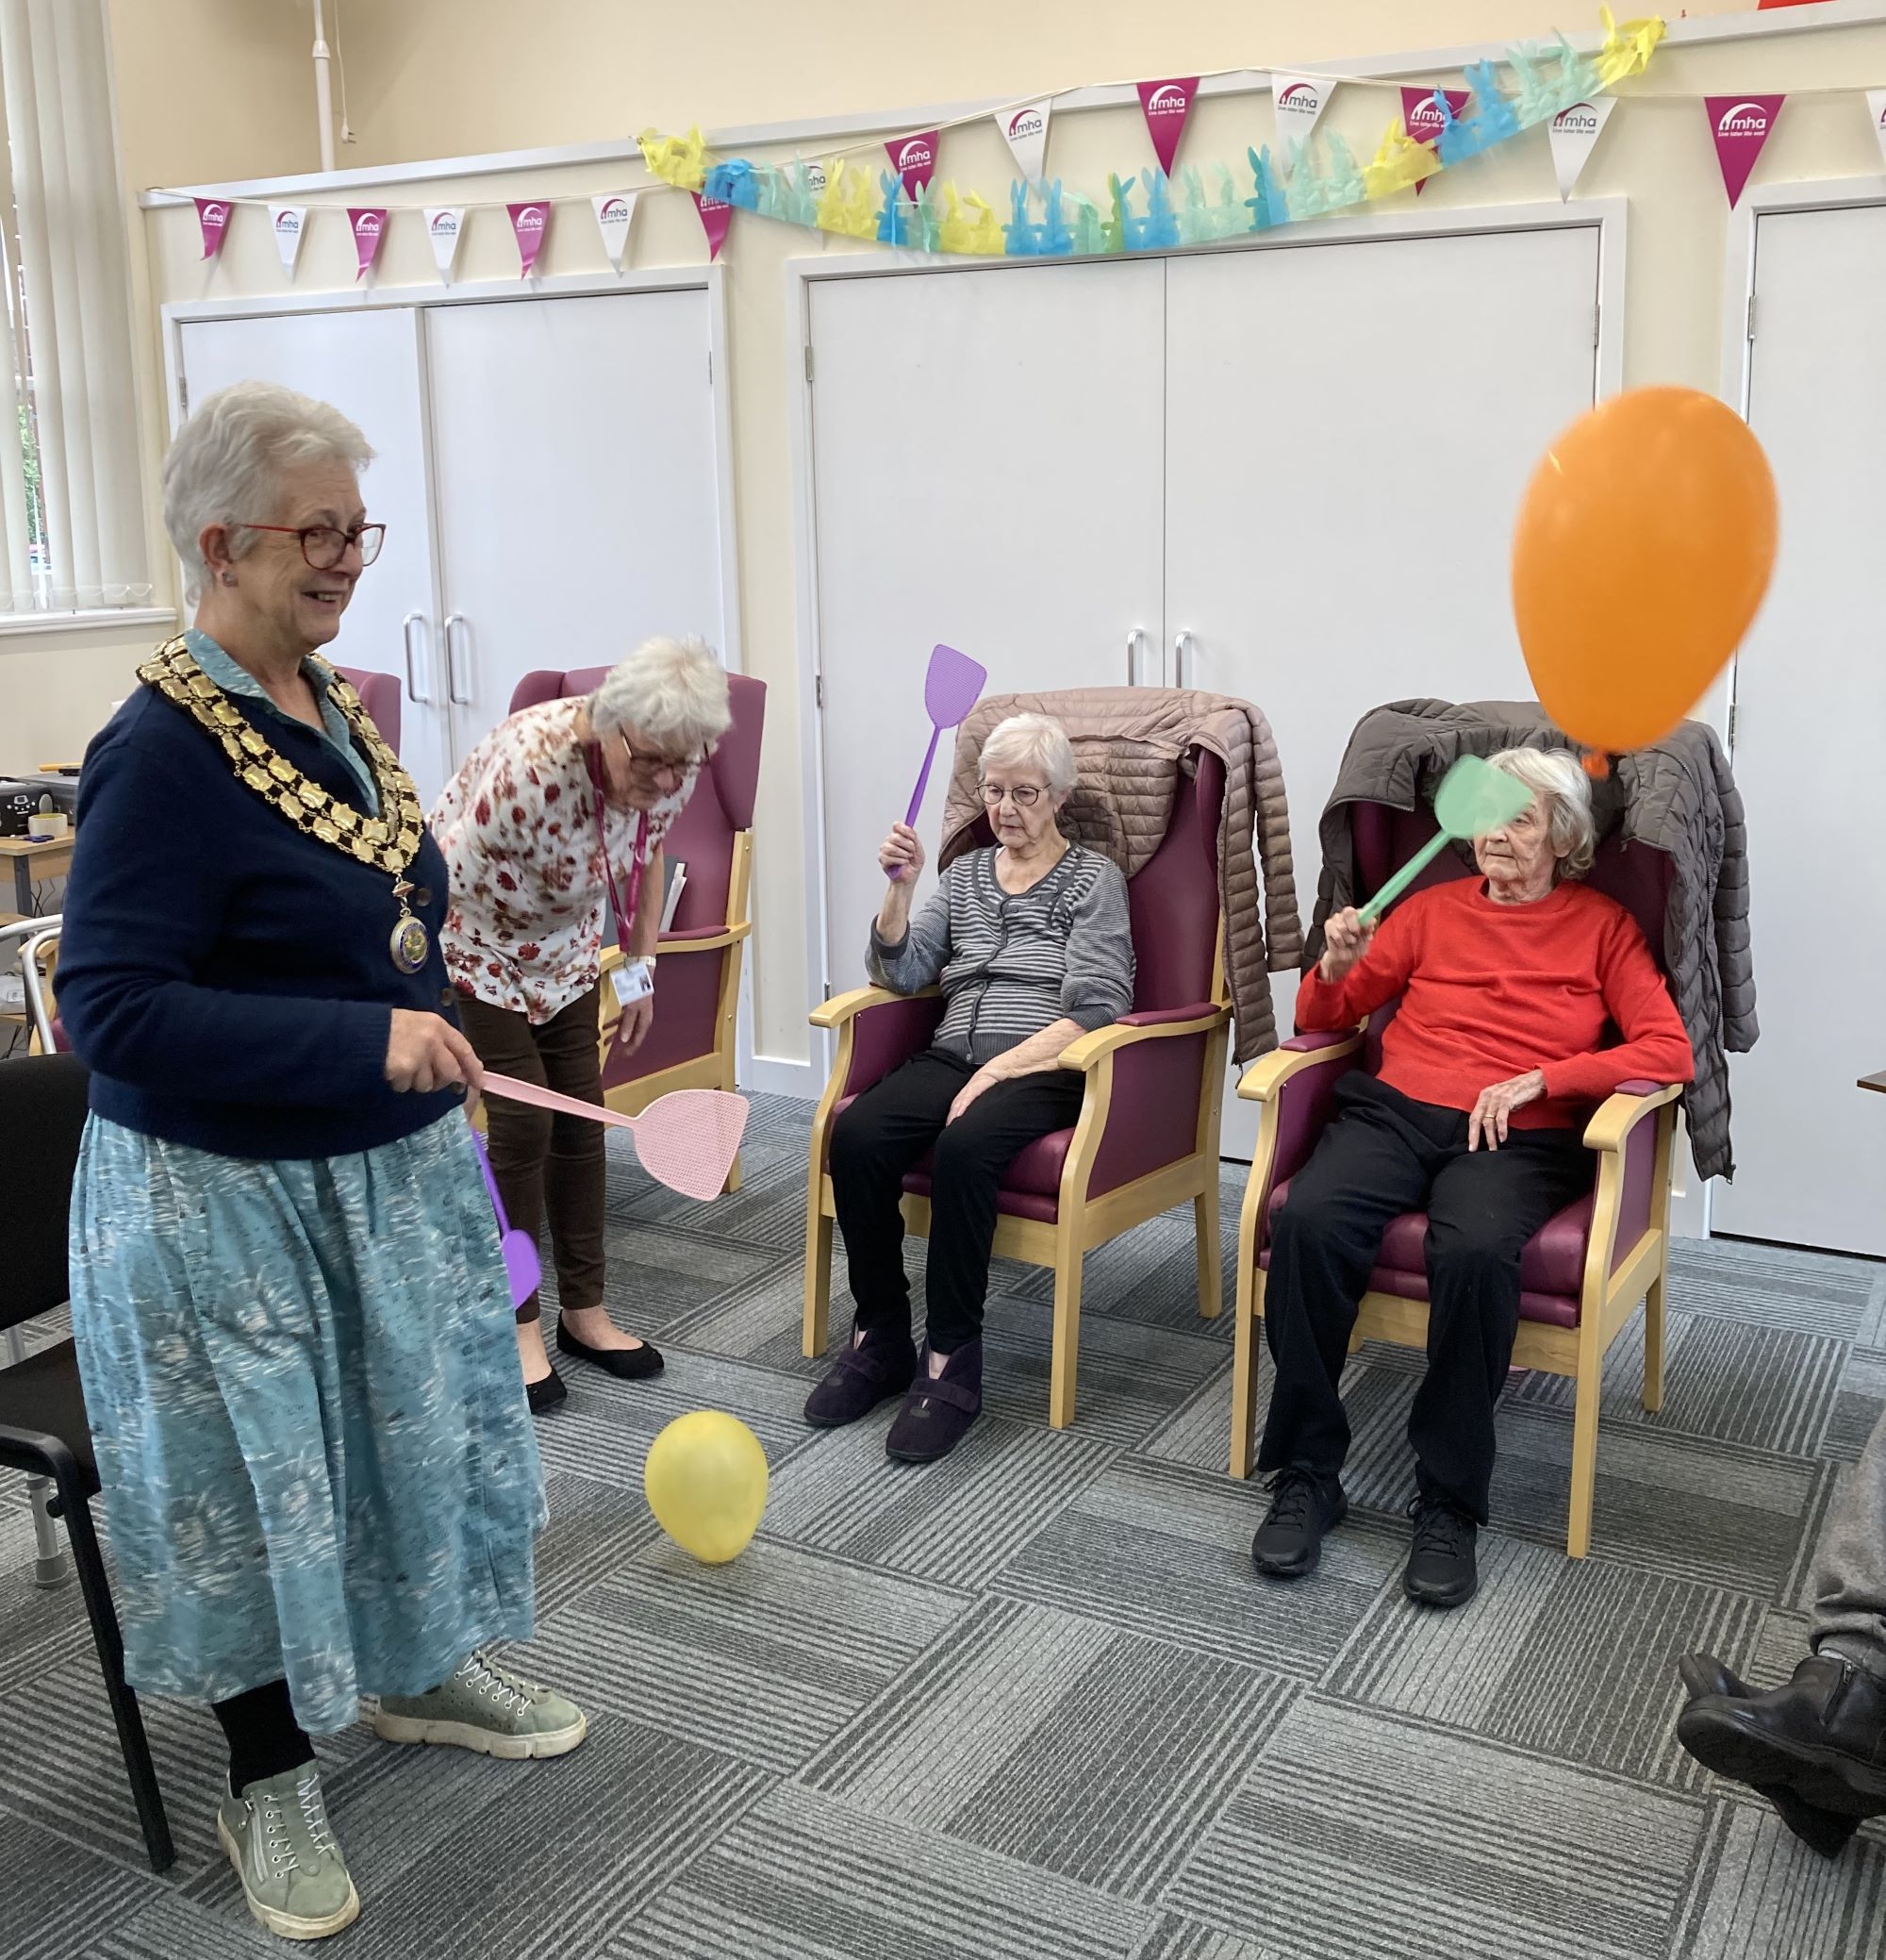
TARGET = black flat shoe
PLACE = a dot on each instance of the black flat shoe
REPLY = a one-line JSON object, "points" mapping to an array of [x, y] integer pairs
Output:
{"points": [[1827, 1832], [625, 1363], [1289, 1542], [1441, 1567], [545, 1395]]}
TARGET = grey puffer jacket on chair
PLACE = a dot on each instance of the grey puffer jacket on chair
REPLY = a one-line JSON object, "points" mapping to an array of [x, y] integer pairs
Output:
{"points": [[1676, 796]]}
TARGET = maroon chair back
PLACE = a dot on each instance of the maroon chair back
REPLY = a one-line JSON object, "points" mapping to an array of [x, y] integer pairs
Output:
{"points": [[723, 803], [702, 838], [380, 696], [1637, 875]]}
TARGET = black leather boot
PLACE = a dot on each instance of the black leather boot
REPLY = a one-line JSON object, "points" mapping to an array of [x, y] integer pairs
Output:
{"points": [[1823, 1735]]}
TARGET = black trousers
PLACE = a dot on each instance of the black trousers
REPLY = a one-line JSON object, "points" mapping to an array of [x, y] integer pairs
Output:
{"points": [[885, 1132], [1382, 1155]]}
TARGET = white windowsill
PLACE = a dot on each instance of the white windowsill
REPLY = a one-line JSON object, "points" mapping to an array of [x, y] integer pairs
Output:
{"points": [[26, 626]]}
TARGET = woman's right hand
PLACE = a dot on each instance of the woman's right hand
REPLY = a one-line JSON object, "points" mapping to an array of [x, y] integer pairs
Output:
{"points": [[425, 1053], [1347, 938], [901, 854]]}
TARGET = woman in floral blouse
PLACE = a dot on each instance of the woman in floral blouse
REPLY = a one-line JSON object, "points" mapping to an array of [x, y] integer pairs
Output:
{"points": [[561, 806]]}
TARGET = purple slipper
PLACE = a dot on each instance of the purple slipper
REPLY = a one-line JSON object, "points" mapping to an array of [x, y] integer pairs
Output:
{"points": [[864, 1375], [936, 1415]]}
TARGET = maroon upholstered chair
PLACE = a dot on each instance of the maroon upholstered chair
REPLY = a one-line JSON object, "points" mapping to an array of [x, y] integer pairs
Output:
{"points": [[1581, 1274], [691, 1045], [380, 696], [1147, 1138]]}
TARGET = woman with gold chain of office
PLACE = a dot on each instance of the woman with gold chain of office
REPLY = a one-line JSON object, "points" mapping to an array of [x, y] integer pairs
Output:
{"points": [[290, 1307]]}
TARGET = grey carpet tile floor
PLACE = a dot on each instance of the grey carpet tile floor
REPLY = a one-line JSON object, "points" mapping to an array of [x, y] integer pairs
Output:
{"points": [[1031, 1702]]}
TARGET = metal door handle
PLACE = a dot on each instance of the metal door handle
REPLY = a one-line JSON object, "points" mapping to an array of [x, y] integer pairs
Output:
{"points": [[413, 693], [452, 682], [1182, 651], [1133, 646]]}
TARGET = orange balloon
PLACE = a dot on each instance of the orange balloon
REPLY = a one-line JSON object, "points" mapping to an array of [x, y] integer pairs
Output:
{"points": [[1642, 550]]}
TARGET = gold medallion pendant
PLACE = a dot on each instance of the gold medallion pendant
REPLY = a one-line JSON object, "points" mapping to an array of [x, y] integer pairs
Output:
{"points": [[387, 843]]}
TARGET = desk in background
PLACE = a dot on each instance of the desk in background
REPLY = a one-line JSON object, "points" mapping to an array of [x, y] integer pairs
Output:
{"points": [[31, 862]]}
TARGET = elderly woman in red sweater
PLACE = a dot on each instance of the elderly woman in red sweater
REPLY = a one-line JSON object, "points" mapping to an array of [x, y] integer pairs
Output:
{"points": [[1509, 984]]}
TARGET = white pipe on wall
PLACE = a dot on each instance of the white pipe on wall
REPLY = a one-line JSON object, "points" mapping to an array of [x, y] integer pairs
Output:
{"points": [[323, 90]]}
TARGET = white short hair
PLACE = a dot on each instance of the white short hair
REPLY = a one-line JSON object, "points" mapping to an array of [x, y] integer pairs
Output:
{"points": [[672, 691], [1562, 787], [1030, 741], [227, 462]]}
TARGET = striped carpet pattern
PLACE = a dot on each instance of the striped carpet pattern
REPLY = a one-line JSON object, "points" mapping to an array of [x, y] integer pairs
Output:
{"points": [[1031, 1702]]}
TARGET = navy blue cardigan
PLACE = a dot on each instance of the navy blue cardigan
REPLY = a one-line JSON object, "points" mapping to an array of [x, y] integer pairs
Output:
{"points": [[227, 979]]}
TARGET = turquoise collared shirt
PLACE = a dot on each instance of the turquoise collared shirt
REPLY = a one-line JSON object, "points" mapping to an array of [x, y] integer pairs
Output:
{"points": [[233, 679]]}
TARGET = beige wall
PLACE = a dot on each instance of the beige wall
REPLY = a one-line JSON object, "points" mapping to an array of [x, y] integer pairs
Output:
{"points": [[432, 76], [205, 90]]}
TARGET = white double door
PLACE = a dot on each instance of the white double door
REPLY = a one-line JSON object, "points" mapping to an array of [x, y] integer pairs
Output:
{"points": [[546, 472], [1287, 474], [1809, 718]]}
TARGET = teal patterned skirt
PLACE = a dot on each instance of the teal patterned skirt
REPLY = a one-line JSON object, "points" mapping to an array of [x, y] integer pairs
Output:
{"points": [[303, 1383]]}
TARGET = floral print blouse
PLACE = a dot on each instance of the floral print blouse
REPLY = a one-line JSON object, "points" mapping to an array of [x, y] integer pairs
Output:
{"points": [[518, 827]]}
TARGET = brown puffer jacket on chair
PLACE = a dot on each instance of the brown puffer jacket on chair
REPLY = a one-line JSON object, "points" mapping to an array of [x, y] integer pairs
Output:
{"points": [[1677, 796], [1130, 745]]}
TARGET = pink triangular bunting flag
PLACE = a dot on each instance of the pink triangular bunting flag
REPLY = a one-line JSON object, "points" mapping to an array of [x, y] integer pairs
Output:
{"points": [[914, 159], [530, 225], [212, 214], [370, 227], [1166, 104], [1740, 124], [715, 217], [1421, 114]]}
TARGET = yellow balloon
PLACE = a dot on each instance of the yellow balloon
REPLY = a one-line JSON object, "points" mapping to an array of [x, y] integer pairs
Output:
{"points": [[706, 1484]]}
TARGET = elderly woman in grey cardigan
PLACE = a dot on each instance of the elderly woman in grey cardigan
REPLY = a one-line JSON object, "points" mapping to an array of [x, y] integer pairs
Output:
{"points": [[1030, 944]]}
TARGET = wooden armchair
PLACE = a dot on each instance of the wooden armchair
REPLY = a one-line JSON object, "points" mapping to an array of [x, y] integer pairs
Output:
{"points": [[1583, 1273], [1147, 1138]]}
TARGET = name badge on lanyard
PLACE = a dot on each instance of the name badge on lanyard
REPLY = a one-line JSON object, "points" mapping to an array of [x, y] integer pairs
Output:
{"points": [[633, 981]]}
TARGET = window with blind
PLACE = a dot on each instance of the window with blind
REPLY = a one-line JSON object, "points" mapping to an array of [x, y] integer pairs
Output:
{"points": [[69, 450]]}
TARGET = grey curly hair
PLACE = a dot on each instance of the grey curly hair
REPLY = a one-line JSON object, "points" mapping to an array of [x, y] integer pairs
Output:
{"points": [[1565, 791]]}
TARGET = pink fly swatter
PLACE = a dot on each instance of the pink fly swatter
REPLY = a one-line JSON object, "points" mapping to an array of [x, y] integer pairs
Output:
{"points": [[688, 1138]]}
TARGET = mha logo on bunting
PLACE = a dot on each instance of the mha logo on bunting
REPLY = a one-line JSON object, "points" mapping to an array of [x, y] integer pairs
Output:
{"points": [[530, 217], [914, 153], [1025, 122], [1300, 95], [1167, 101], [1743, 119], [287, 224], [614, 211], [1580, 120], [446, 226]]}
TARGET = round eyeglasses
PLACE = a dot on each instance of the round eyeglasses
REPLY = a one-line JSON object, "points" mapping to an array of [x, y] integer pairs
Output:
{"points": [[323, 546], [1023, 795]]}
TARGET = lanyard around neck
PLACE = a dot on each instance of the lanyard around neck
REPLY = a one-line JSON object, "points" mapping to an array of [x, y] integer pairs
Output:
{"points": [[624, 915]]}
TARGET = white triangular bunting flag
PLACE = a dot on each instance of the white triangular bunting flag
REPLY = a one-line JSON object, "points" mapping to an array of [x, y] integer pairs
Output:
{"points": [[444, 226], [615, 214], [1025, 131], [1299, 100], [290, 221], [1574, 133], [1876, 103]]}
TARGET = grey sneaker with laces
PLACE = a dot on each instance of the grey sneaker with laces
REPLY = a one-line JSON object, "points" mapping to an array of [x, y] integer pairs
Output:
{"points": [[486, 1707], [278, 1836]]}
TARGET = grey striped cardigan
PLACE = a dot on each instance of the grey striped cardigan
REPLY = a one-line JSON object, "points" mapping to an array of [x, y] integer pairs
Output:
{"points": [[1061, 950]]}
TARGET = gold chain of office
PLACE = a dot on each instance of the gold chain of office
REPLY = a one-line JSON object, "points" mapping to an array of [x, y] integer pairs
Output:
{"points": [[388, 841]]}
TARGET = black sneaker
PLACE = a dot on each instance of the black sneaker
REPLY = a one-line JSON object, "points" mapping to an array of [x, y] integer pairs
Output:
{"points": [[1303, 1506], [1441, 1569]]}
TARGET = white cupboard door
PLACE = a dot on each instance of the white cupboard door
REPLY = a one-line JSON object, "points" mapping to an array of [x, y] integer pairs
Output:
{"points": [[987, 455], [578, 508], [1350, 427], [366, 364], [1810, 709]]}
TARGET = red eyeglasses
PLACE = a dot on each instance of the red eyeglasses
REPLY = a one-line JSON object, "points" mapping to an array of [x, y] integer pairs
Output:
{"points": [[323, 547]]}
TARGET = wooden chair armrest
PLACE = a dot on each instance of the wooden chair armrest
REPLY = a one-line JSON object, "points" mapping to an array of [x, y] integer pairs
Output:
{"points": [[1621, 1112], [1086, 1050], [842, 1007], [1268, 1074]]}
